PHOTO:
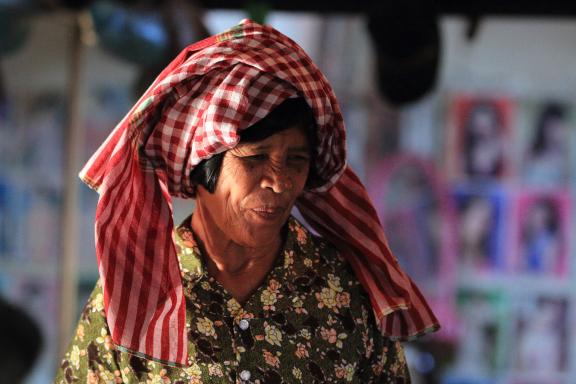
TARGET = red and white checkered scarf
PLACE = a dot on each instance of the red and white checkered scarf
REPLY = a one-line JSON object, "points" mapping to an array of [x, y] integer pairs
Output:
{"points": [[193, 110]]}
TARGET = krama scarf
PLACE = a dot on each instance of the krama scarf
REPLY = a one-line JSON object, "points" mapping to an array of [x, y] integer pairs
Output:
{"points": [[193, 110]]}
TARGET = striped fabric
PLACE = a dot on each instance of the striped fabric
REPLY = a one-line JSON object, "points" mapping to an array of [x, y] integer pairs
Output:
{"points": [[345, 215], [193, 110]]}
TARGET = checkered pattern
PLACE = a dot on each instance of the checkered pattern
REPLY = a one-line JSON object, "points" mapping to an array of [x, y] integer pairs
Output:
{"points": [[193, 110]]}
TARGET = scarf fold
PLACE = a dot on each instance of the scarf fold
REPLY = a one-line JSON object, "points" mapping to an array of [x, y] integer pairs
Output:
{"points": [[193, 110]]}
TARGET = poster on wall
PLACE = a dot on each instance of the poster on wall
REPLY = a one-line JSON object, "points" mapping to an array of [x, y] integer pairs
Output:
{"points": [[540, 342], [43, 123], [542, 234], [5, 244], [481, 230], [14, 207], [479, 133], [546, 127], [482, 322], [11, 135], [106, 105], [43, 247]]}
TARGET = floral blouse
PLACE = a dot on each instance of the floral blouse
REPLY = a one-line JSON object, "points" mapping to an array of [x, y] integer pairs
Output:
{"points": [[310, 321]]}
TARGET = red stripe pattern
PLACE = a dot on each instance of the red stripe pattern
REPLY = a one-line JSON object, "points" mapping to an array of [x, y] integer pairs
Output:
{"points": [[345, 215], [193, 110]]}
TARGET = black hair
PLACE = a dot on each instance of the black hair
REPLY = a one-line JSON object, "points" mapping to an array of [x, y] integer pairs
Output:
{"points": [[290, 113], [551, 111]]}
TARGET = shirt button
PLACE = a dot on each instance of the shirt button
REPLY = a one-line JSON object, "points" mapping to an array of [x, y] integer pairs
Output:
{"points": [[244, 324], [245, 375]]}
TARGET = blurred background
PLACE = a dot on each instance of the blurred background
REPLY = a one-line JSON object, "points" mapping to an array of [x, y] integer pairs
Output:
{"points": [[461, 122]]}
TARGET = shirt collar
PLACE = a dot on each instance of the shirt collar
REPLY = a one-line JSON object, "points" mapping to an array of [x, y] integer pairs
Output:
{"points": [[191, 262], [192, 267]]}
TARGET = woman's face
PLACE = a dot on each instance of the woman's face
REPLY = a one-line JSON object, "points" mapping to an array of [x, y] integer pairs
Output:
{"points": [[476, 220], [539, 217], [257, 187], [484, 123], [555, 131]]}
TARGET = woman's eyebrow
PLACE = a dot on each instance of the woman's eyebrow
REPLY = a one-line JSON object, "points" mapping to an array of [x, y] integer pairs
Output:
{"points": [[264, 147], [303, 149]]}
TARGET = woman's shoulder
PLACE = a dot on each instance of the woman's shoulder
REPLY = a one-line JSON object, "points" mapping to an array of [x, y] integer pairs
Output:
{"points": [[329, 266]]}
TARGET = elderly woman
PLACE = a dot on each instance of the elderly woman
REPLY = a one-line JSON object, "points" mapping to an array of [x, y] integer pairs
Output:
{"points": [[244, 123]]}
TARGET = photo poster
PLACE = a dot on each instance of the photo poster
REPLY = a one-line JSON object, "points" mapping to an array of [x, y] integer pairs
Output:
{"points": [[45, 246], [481, 352], [479, 135], [11, 134], [542, 234], [5, 236], [106, 106], [43, 151], [481, 229], [541, 337], [546, 130], [5, 129], [14, 208], [418, 219]]}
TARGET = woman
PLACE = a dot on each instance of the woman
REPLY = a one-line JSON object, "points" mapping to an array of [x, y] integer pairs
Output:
{"points": [[547, 160], [483, 141], [247, 125], [541, 238]]}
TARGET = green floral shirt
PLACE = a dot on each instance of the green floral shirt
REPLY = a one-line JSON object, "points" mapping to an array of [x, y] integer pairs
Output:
{"points": [[310, 321]]}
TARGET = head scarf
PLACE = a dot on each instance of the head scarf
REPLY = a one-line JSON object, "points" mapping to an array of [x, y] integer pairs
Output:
{"points": [[193, 110]]}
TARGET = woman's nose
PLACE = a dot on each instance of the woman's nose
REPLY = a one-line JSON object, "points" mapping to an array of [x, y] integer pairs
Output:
{"points": [[277, 179]]}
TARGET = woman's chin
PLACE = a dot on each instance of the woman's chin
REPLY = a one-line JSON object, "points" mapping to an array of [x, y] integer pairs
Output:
{"points": [[263, 230]]}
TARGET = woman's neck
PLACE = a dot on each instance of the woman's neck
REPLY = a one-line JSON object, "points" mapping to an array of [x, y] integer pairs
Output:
{"points": [[239, 269]]}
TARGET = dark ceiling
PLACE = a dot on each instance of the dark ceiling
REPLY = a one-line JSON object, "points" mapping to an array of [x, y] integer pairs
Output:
{"points": [[519, 8]]}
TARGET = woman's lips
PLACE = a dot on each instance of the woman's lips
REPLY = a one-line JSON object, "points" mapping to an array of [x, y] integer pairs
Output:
{"points": [[269, 213]]}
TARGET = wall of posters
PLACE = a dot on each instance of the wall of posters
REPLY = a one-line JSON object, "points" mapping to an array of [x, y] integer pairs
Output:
{"points": [[498, 210]]}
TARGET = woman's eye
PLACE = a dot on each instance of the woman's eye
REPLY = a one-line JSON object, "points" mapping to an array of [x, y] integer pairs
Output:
{"points": [[298, 158], [258, 157]]}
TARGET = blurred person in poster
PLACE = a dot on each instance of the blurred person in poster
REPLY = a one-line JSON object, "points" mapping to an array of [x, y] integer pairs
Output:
{"points": [[476, 352], [547, 162], [541, 331], [483, 141], [541, 237], [476, 228], [20, 344], [247, 125]]}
